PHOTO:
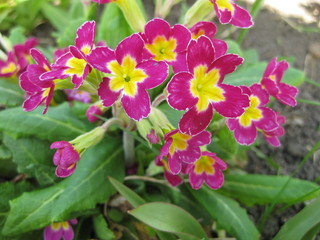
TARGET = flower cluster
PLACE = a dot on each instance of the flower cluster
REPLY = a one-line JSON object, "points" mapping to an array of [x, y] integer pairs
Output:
{"points": [[141, 62]]}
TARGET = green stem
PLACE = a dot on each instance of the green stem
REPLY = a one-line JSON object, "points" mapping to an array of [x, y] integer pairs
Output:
{"points": [[256, 7], [312, 82], [311, 102], [128, 146]]}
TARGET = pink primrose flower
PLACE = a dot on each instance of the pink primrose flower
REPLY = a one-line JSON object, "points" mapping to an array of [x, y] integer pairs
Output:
{"points": [[131, 76], [65, 158], [92, 111], [78, 95], [74, 62], [22, 52], [182, 148], [256, 116], [272, 137], [208, 168], [37, 91], [9, 68], [271, 81], [201, 89], [59, 230], [173, 179], [209, 29], [59, 52], [165, 43], [229, 12]]}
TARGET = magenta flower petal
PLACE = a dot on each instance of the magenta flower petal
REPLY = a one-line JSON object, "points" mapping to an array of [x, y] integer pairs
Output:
{"points": [[26, 85], [268, 122], [224, 16], [33, 101], [196, 180], [194, 122], [177, 87], [100, 57], [107, 96], [201, 139], [208, 29], [39, 58], [157, 27], [182, 35], [156, 72], [215, 181], [132, 46], [85, 37], [244, 135], [220, 47], [92, 111], [137, 107], [241, 18], [173, 180], [51, 234], [287, 94]]}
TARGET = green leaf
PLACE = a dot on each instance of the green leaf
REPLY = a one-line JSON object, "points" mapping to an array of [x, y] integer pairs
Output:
{"points": [[57, 16], [294, 77], [58, 124], [262, 189], [101, 228], [133, 198], [112, 27], [10, 94], [169, 218], [228, 214], [299, 225], [5, 153], [68, 35], [86, 187], [17, 36], [33, 157], [234, 48]]}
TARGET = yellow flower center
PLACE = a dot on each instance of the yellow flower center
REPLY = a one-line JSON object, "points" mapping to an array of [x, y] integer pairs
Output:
{"points": [[76, 66], [272, 77], [204, 164], [126, 76], [10, 68], [204, 87], [56, 226], [86, 49], [198, 34], [251, 113], [163, 49], [179, 142], [225, 4]]}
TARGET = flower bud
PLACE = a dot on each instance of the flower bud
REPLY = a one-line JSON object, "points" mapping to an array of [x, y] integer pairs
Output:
{"points": [[95, 109]]}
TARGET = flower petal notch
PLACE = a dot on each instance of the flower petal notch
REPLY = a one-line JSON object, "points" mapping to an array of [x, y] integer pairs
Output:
{"points": [[229, 12], [255, 117], [130, 78], [165, 43], [201, 90], [271, 82]]}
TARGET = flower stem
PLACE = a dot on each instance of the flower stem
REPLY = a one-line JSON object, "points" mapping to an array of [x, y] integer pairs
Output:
{"points": [[128, 146]]}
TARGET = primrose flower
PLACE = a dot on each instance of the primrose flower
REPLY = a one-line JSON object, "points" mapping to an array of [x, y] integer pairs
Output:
{"points": [[78, 95], [271, 83], [272, 137], [74, 62], [256, 116], [182, 148], [22, 52], [10, 67], [209, 29], [165, 43], [229, 12], [207, 169], [37, 91], [65, 158], [130, 76], [60, 230], [94, 109], [199, 90]]}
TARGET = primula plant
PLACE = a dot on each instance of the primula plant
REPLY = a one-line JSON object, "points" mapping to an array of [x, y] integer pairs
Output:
{"points": [[135, 128]]}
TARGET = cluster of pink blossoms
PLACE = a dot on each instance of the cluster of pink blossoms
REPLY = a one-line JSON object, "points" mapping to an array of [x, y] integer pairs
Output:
{"points": [[141, 62]]}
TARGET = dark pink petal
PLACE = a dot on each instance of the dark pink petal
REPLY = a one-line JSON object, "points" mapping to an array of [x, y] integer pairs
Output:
{"points": [[232, 124], [77, 81], [234, 104], [287, 94], [270, 86], [190, 155], [76, 52], [196, 180], [182, 35], [63, 173], [132, 46], [54, 74], [92, 111], [224, 16], [157, 27], [56, 157], [220, 47], [209, 29], [50, 234], [269, 121], [153, 137], [258, 91], [194, 122], [173, 180], [169, 134], [273, 140], [179, 95], [241, 18], [226, 64], [48, 99], [180, 64], [200, 52], [203, 138], [245, 135], [34, 73], [60, 144], [26, 85], [62, 61], [68, 233], [33, 101], [174, 163], [270, 68], [157, 72], [73, 221], [68, 156], [99, 58], [165, 149], [107, 96], [85, 35], [281, 67], [137, 107], [216, 180], [39, 58], [59, 52]]}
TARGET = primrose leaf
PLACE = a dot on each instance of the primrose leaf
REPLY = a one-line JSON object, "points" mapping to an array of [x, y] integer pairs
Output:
{"points": [[10, 94], [169, 218], [86, 187], [59, 123], [228, 214], [262, 189]]}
